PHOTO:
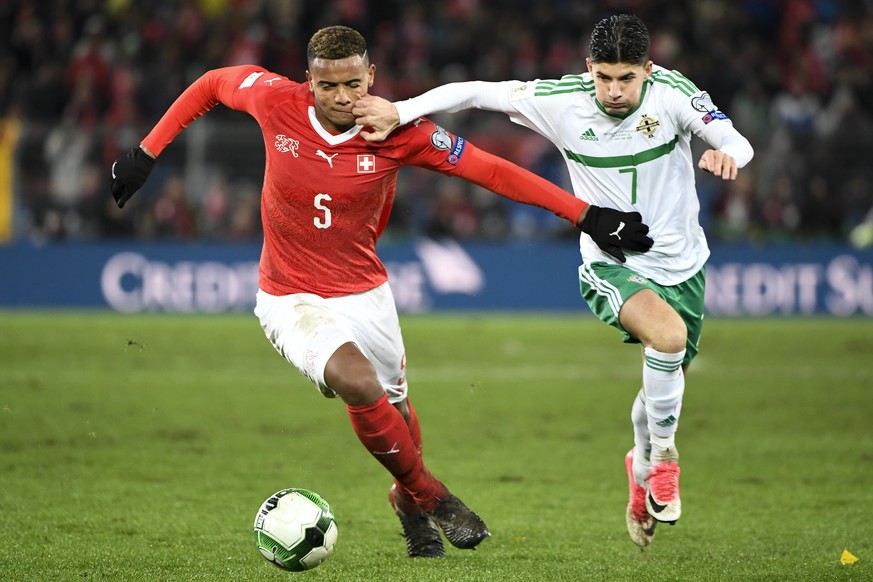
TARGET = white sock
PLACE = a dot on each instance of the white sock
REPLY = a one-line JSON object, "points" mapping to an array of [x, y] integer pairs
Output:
{"points": [[664, 384], [642, 446]]}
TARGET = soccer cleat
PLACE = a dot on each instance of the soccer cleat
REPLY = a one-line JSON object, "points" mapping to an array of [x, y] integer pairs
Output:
{"points": [[422, 536], [463, 528], [662, 499], [640, 525]]}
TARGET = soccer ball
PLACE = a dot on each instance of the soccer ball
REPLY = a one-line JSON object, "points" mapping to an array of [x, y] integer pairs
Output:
{"points": [[295, 529]]}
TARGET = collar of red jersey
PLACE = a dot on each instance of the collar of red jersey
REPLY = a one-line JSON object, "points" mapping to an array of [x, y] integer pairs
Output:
{"points": [[328, 136]]}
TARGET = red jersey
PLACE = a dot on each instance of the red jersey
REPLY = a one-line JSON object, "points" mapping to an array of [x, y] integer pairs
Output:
{"points": [[326, 198]]}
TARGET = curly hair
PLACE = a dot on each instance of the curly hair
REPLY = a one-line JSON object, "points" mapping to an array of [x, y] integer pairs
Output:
{"points": [[622, 38], [336, 42]]}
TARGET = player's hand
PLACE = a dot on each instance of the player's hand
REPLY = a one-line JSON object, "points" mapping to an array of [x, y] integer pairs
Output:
{"points": [[378, 116], [613, 230], [129, 173], [718, 163]]}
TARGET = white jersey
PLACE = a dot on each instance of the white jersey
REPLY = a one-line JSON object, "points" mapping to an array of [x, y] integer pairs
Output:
{"points": [[637, 162]]}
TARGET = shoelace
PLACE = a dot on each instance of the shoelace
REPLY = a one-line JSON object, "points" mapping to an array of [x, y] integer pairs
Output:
{"points": [[664, 481], [638, 505]]}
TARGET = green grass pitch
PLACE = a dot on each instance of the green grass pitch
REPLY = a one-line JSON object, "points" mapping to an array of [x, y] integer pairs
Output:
{"points": [[140, 448]]}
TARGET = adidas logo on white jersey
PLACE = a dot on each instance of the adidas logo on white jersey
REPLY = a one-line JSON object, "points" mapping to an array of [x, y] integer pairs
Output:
{"points": [[589, 135]]}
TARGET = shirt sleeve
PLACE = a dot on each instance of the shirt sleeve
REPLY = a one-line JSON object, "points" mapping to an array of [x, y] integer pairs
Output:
{"points": [[725, 137], [427, 145], [214, 87], [514, 182], [700, 115], [457, 97]]}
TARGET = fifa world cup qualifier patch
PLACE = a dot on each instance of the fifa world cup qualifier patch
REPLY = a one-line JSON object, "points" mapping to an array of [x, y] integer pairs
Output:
{"points": [[441, 139], [703, 103]]}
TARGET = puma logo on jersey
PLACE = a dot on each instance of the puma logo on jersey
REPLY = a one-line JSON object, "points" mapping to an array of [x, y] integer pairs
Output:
{"points": [[618, 230], [329, 159]]}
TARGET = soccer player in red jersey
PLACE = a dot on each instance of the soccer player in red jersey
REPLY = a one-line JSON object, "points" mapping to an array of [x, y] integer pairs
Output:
{"points": [[323, 300]]}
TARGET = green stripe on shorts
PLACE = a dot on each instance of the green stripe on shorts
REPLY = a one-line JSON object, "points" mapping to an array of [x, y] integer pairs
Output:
{"points": [[606, 286]]}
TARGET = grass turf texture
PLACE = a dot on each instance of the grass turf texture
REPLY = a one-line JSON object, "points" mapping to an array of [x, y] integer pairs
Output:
{"points": [[140, 448]]}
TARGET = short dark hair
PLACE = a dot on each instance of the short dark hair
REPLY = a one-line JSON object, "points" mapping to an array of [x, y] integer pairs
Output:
{"points": [[621, 38], [334, 43]]}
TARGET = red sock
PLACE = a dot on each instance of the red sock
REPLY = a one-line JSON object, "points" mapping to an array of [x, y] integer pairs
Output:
{"points": [[383, 431], [415, 433], [414, 427]]}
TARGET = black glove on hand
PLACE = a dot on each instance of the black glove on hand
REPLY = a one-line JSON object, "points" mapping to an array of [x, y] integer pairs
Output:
{"points": [[614, 230], [129, 173]]}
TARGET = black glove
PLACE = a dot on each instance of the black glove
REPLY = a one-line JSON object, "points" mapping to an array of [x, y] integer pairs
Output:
{"points": [[129, 173], [614, 230]]}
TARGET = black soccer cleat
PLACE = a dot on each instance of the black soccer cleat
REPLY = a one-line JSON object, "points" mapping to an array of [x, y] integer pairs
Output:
{"points": [[423, 539], [463, 528]]}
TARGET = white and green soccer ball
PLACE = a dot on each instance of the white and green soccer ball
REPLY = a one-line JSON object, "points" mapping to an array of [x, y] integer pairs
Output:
{"points": [[295, 529]]}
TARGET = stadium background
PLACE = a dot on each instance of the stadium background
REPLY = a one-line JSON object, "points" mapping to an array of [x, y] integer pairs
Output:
{"points": [[139, 447], [81, 82]]}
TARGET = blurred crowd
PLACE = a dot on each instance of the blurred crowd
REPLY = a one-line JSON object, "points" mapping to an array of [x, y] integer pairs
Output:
{"points": [[82, 81]]}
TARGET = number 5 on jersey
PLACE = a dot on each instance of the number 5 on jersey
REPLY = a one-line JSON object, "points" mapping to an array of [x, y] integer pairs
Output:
{"points": [[322, 221]]}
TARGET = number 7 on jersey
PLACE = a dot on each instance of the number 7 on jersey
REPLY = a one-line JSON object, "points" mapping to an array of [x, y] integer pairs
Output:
{"points": [[633, 173]]}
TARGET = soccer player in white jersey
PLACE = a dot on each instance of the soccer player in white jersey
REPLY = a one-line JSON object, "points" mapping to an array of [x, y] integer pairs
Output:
{"points": [[625, 130]]}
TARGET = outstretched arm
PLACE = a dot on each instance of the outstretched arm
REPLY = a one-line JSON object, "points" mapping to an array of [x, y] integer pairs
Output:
{"points": [[382, 116], [516, 183], [130, 171]]}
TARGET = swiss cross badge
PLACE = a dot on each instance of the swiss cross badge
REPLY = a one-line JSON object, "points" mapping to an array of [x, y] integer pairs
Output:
{"points": [[366, 163]]}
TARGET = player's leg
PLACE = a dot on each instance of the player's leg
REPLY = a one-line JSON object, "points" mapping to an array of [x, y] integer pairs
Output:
{"points": [[373, 319], [640, 524], [642, 437], [310, 334], [422, 535], [606, 288], [687, 301], [649, 318]]}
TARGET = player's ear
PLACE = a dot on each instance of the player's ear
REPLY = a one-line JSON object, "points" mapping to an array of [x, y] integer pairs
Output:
{"points": [[309, 80], [371, 75], [648, 68], [588, 64]]}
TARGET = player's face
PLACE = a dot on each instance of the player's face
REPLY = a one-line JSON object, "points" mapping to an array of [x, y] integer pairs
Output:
{"points": [[619, 85], [336, 86]]}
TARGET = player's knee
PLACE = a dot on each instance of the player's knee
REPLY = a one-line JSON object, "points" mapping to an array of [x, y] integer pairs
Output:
{"points": [[352, 376], [357, 385], [671, 339]]}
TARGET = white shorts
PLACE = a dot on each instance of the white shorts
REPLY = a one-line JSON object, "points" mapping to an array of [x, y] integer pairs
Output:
{"points": [[307, 329]]}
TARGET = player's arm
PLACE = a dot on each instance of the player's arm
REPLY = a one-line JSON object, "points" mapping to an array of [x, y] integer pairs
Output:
{"points": [[382, 116], [130, 171], [516, 183], [730, 150]]}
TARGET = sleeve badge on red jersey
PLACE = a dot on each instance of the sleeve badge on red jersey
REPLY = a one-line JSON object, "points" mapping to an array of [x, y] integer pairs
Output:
{"points": [[455, 156], [366, 163], [441, 139]]}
